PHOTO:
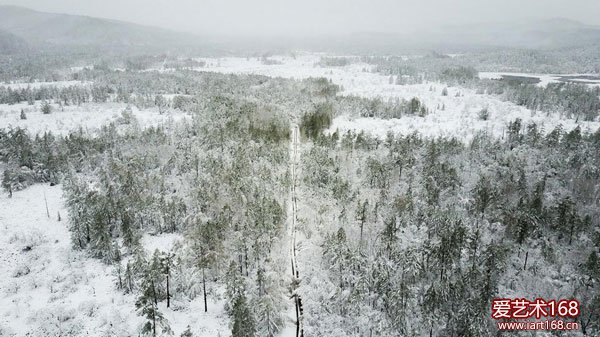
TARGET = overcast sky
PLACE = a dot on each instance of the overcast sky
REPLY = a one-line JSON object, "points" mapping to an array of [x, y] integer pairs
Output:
{"points": [[315, 17]]}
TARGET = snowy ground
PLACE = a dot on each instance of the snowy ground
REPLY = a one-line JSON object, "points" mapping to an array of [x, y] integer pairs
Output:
{"points": [[49, 289], [89, 116], [546, 79], [58, 84], [453, 115]]}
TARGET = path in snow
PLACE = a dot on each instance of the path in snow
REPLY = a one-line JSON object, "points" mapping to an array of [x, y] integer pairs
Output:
{"points": [[295, 314]]}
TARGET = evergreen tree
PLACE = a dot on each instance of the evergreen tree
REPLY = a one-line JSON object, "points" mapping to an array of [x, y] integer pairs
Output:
{"points": [[147, 302], [128, 232], [270, 303], [242, 317], [361, 217], [483, 194], [187, 332], [166, 268], [206, 246], [156, 324], [46, 108]]}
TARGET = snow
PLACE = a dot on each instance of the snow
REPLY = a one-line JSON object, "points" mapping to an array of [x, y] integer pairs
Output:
{"points": [[58, 84], [89, 116], [50, 278], [459, 119], [163, 242], [291, 320], [545, 79], [47, 288], [459, 116]]}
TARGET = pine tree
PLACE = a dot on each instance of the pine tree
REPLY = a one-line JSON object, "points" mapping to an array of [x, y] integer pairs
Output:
{"points": [[128, 232], [537, 198], [46, 108], [483, 194], [147, 303], [129, 278], [361, 216], [155, 271], [156, 324], [270, 304], [75, 194], [187, 332], [206, 245], [167, 264], [161, 103], [390, 235], [23, 116], [242, 317], [116, 260], [234, 284], [101, 240]]}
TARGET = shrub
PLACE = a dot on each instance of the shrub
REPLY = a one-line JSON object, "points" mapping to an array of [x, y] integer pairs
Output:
{"points": [[46, 108], [484, 114]]}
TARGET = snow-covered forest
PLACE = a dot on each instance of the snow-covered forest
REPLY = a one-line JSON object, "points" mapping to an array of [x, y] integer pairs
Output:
{"points": [[297, 193]]}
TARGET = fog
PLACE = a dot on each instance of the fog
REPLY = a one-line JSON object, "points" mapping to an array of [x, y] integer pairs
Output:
{"points": [[317, 17]]}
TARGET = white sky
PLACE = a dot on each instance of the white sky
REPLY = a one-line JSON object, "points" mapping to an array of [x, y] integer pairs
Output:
{"points": [[316, 17]]}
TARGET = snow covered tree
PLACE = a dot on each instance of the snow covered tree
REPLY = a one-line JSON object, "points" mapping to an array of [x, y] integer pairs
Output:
{"points": [[156, 324], [160, 102], [361, 217], [187, 332], [206, 248], [484, 194], [131, 238], [242, 317], [166, 268], [46, 108], [147, 302], [269, 304]]}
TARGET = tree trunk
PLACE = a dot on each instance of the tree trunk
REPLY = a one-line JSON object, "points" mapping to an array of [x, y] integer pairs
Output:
{"points": [[154, 320], [571, 231], [204, 290], [120, 279], [297, 317], [154, 294], [362, 225], [168, 293], [246, 259]]}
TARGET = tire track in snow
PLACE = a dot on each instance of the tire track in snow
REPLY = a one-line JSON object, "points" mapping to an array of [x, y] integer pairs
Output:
{"points": [[292, 233]]}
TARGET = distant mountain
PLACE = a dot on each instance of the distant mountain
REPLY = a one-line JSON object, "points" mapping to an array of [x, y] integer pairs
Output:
{"points": [[536, 34], [549, 33], [10, 43], [21, 26], [62, 29]]}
